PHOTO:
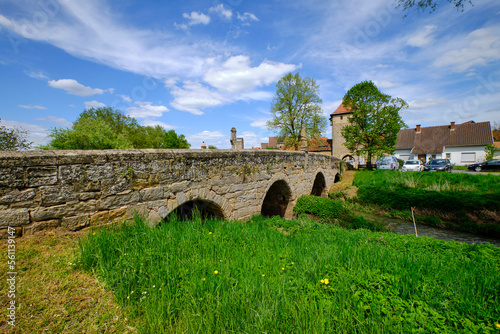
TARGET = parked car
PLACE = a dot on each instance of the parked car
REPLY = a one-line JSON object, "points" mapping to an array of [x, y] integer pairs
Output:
{"points": [[487, 165], [443, 165], [412, 166], [389, 162]]}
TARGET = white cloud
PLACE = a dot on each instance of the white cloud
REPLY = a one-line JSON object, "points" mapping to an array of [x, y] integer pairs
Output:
{"points": [[36, 134], [57, 120], [124, 98], [215, 138], [422, 104], [219, 9], [73, 87], [146, 109], [423, 37], [194, 18], [247, 17], [480, 47], [32, 107], [150, 122], [236, 76], [386, 84], [36, 75], [93, 104], [260, 123], [251, 139], [193, 97]]}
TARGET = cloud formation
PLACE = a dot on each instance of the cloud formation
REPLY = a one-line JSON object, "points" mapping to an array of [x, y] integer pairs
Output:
{"points": [[32, 107], [74, 87]]}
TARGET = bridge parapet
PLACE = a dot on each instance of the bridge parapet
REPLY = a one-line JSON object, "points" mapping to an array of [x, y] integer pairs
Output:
{"points": [[75, 189]]}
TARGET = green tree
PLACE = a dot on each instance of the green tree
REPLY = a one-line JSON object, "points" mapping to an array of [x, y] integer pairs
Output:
{"points": [[173, 140], [13, 139], [374, 121], [490, 151], [108, 128], [430, 4], [296, 104]]}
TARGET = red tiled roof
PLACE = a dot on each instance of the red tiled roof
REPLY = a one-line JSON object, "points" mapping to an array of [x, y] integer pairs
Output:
{"points": [[434, 138], [341, 110]]}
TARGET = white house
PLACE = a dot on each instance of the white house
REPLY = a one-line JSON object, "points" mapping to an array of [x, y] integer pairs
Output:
{"points": [[462, 143]]}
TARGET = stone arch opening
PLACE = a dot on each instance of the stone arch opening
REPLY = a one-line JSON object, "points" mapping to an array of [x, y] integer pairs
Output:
{"points": [[197, 208], [337, 178], [276, 200], [319, 185]]}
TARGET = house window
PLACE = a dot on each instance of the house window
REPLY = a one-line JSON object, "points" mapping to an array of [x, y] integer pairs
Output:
{"points": [[448, 155], [341, 117], [468, 157]]}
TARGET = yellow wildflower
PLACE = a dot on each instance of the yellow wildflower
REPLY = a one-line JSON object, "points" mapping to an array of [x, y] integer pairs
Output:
{"points": [[327, 281], [498, 325], [282, 268], [322, 281], [263, 275], [293, 262], [203, 279], [209, 233], [216, 272]]}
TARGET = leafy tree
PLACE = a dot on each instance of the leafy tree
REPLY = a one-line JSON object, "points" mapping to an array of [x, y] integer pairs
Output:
{"points": [[490, 151], [173, 140], [296, 104], [211, 147], [13, 139], [374, 121], [430, 4], [108, 128]]}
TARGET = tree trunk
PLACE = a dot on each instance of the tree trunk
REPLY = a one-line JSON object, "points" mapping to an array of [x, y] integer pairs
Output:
{"points": [[369, 161]]}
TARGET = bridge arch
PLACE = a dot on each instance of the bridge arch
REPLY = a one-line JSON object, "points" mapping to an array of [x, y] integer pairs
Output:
{"points": [[277, 199], [206, 209], [319, 185]]}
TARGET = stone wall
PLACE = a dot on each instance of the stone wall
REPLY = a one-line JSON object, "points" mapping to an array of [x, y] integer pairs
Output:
{"points": [[75, 189]]}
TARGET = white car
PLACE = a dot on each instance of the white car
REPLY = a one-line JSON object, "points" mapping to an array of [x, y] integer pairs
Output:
{"points": [[412, 166]]}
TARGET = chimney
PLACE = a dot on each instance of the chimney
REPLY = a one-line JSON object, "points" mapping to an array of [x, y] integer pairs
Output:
{"points": [[418, 128], [452, 126]]}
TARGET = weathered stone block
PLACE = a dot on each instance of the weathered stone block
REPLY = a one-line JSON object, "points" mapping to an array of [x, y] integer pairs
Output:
{"points": [[75, 223], [42, 175], [17, 196], [151, 194], [11, 178], [116, 201], [40, 226], [14, 217], [65, 210], [53, 195]]}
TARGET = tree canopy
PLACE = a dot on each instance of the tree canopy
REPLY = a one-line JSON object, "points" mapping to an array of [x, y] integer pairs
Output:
{"points": [[13, 139], [374, 121], [108, 128], [430, 4], [296, 104]]}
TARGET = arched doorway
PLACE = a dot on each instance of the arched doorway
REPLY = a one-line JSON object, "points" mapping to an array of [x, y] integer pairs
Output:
{"points": [[197, 208], [319, 185], [276, 200]]}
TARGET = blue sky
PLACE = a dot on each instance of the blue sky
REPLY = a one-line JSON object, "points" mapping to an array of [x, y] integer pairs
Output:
{"points": [[202, 67]]}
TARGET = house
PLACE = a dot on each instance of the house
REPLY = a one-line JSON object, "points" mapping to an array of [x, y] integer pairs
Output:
{"points": [[496, 155], [462, 143]]}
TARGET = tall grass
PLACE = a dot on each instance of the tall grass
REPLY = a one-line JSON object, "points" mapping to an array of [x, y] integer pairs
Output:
{"points": [[278, 276]]}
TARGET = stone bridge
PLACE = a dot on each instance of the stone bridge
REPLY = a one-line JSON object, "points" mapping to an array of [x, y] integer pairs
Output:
{"points": [[75, 189]]}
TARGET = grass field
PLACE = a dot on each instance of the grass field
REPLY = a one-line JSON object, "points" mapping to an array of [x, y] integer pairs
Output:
{"points": [[299, 276]]}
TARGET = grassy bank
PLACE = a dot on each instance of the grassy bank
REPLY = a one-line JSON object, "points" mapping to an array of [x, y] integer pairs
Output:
{"points": [[52, 296], [461, 201], [272, 275]]}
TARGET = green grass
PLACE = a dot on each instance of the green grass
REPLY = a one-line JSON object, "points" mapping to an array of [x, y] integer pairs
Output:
{"points": [[268, 275]]}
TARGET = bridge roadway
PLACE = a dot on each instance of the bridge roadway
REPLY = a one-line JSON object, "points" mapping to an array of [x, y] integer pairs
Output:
{"points": [[75, 189]]}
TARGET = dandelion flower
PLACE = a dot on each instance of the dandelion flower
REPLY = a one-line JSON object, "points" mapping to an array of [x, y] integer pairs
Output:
{"points": [[93, 233], [216, 272], [498, 325], [203, 279], [322, 281], [263, 275], [293, 263], [282, 268], [209, 232], [327, 281]]}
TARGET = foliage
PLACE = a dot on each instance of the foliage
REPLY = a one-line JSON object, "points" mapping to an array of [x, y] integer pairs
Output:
{"points": [[211, 147], [430, 4], [108, 128], [13, 139], [296, 104], [173, 140], [374, 121], [279, 276], [490, 151]]}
